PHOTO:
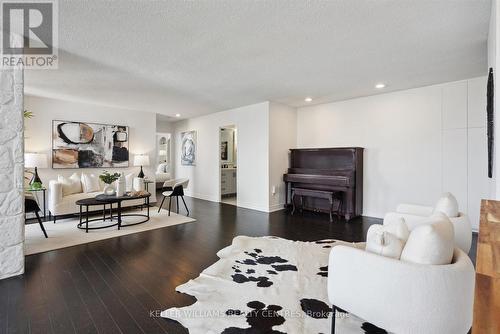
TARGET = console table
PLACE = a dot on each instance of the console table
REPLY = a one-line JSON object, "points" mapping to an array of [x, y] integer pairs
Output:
{"points": [[487, 292]]}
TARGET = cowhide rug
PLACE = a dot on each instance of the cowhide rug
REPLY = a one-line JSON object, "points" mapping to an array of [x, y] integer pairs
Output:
{"points": [[265, 285]]}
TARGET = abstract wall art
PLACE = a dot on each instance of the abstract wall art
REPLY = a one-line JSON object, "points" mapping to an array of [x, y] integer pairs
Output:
{"points": [[188, 148], [89, 145]]}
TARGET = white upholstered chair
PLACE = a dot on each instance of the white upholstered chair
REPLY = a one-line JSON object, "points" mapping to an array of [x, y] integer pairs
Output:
{"points": [[415, 215], [402, 297], [174, 188]]}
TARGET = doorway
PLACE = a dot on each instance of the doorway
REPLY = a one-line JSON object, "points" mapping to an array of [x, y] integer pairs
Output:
{"points": [[228, 163]]}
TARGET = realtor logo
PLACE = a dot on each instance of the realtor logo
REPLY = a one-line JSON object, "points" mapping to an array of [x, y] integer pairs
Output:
{"points": [[29, 34]]}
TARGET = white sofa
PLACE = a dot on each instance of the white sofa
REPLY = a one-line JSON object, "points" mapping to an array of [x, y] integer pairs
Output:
{"points": [[60, 205], [416, 215], [403, 297]]}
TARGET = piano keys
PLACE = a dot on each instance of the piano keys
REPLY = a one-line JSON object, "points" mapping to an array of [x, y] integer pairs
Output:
{"points": [[339, 170]]}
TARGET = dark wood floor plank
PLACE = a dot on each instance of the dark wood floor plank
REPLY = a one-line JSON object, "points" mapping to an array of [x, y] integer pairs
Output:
{"points": [[102, 319], [17, 321], [35, 294], [4, 307], [117, 285], [113, 304], [115, 282], [134, 286], [57, 311]]}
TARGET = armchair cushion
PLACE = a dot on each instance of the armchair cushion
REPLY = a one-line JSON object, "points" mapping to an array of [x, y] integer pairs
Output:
{"points": [[70, 185], [431, 243], [447, 204], [415, 210]]}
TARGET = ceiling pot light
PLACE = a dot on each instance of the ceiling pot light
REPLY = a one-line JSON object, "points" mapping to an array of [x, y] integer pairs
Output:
{"points": [[380, 85], [308, 99], [177, 115]]}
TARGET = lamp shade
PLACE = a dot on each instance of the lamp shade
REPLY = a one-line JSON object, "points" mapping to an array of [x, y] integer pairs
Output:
{"points": [[32, 160], [162, 152], [141, 160]]}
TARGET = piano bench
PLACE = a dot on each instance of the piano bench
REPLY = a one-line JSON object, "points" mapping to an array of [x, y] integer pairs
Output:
{"points": [[328, 195]]}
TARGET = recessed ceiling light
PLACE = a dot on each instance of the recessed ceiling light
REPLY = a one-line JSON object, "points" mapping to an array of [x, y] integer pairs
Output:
{"points": [[177, 115], [380, 85], [308, 99]]}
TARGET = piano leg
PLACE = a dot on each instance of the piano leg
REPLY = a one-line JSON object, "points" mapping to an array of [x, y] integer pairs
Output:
{"points": [[331, 208], [293, 202], [349, 208], [286, 195]]}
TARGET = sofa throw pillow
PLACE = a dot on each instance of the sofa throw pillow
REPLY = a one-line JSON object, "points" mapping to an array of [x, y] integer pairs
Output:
{"points": [[397, 225], [431, 243], [383, 243], [447, 204], [90, 183], [70, 185], [162, 168]]}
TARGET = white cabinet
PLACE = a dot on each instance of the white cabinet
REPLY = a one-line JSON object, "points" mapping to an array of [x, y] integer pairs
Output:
{"points": [[228, 181]]}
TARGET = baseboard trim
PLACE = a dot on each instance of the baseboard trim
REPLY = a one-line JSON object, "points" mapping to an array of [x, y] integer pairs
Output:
{"points": [[277, 207]]}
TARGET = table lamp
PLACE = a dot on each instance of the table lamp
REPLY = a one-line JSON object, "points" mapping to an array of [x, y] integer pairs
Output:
{"points": [[35, 160], [141, 160]]}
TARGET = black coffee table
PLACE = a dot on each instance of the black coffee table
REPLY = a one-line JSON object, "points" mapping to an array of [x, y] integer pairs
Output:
{"points": [[112, 199], [86, 202]]}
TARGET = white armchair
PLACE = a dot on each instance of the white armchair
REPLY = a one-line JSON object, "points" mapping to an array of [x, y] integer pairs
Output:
{"points": [[415, 215], [402, 297]]}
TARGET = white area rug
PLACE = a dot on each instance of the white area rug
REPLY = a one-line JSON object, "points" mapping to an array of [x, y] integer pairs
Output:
{"points": [[265, 285], [64, 232]]}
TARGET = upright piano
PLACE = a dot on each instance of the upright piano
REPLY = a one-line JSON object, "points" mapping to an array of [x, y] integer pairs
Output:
{"points": [[338, 170]]}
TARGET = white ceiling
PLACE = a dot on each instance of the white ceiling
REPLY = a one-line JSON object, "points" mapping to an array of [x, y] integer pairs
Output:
{"points": [[196, 57]]}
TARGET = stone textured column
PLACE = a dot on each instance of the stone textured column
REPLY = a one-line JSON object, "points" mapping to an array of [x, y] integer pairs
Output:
{"points": [[11, 173]]}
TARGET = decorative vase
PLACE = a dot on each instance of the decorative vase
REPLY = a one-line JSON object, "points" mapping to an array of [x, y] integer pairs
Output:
{"points": [[120, 186], [109, 189]]}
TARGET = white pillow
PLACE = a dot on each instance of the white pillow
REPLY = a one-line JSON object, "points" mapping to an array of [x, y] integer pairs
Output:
{"points": [[162, 168], [432, 243], [90, 183], [397, 226], [383, 243], [448, 205], [70, 185]]}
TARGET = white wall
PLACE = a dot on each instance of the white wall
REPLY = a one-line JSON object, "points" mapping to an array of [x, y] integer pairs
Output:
{"points": [[38, 131], [282, 137], [418, 143], [252, 123]]}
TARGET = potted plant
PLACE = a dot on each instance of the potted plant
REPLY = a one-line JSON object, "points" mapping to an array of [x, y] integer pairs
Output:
{"points": [[108, 179]]}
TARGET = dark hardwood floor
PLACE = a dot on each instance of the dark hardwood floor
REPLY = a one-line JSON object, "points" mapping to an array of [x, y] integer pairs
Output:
{"points": [[121, 285]]}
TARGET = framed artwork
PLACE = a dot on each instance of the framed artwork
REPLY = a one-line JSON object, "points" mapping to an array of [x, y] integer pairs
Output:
{"points": [[89, 145], [188, 148], [223, 150]]}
